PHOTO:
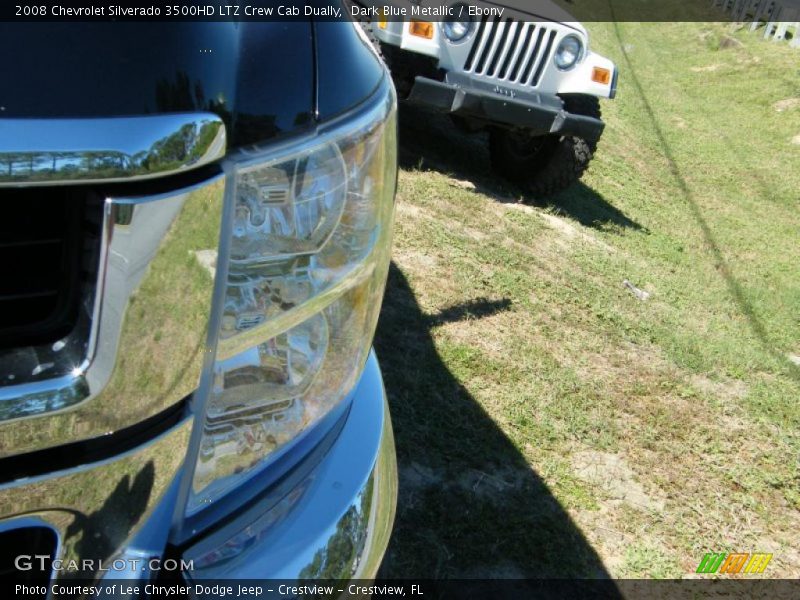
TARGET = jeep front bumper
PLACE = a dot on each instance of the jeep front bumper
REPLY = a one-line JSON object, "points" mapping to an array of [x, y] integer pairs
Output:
{"points": [[541, 114]]}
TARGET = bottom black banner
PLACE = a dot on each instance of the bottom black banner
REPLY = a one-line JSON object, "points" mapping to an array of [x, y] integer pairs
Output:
{"points": [[420, 589]]}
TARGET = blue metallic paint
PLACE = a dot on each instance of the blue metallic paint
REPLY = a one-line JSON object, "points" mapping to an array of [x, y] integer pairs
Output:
{"points": [[260, 81]]}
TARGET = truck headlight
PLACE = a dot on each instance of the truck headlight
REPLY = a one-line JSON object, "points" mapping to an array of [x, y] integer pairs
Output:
{"points": [[568, 52], [309, 253]]}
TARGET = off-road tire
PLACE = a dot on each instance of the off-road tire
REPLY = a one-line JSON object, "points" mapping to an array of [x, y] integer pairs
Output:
{"points": [[545, 165]]}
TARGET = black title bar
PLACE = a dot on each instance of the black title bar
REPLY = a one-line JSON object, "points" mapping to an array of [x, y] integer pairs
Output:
{"points": [[372, 10]]}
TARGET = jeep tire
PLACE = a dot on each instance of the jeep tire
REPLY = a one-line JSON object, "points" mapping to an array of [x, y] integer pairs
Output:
{"points": [[548, 164]]}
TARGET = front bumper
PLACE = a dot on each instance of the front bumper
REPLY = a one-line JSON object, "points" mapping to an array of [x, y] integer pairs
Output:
{"points": [[341, 494], [346, 500], [541, 114]]}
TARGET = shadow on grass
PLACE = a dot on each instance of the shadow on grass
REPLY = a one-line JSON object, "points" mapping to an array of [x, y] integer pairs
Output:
{"points": [[469, 504], [431, 141]]}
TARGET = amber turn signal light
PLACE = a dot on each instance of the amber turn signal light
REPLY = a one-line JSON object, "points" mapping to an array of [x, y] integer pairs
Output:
{"points": [[421, 29], [601, 75]]}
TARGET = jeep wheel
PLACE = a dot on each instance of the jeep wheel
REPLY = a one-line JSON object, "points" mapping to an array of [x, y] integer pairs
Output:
{"points": [[545, 165]]}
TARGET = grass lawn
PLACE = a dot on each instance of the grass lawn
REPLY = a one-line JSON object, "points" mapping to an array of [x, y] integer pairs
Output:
{"points": [[549, 422]]}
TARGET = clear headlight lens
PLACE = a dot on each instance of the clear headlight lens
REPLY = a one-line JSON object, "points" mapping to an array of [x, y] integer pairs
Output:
{"points": [[455, 31], [309, 253], [568, 52]]}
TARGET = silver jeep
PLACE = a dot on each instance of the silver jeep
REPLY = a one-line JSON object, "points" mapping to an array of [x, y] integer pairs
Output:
{"points": [[522, 69]]}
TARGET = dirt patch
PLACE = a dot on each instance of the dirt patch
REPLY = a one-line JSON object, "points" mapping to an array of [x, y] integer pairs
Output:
{"points": [[417, 261], [612, 474], [490, 485], [474, 234], [489, 333], [416, 476], [493, 486], [618, 364], [463, 184], [417, 212], [729, 42], [787, 104], [564, 227], [407, 208], [599, 527], [733, 423], [796, 140], [731, 389], [519, 207], [570, 231], [706, 69], [207, 260]]}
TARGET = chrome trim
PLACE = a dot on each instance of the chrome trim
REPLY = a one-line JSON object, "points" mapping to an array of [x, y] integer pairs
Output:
{"points": [[121, 508], [149, 340], [350, 494], [80, 151], [97, 509]]}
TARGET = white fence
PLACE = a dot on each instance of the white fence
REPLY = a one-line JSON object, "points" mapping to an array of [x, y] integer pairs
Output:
{"points": [[781, 18]]}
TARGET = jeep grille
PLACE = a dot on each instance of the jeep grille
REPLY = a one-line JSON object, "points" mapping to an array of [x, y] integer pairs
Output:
{"points": [[510, 51]]}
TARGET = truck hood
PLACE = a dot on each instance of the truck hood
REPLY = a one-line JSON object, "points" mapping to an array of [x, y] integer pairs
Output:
{"points": [[259, 77]]}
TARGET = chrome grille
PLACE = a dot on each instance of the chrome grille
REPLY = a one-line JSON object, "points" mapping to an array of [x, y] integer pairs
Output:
{"points": [[42, 245], [36, 545], [510, 51]]}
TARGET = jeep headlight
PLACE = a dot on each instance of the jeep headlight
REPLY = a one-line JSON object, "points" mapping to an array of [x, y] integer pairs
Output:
{"points": [[455, 31], [309, 253], [568, 52], [456, 28]]}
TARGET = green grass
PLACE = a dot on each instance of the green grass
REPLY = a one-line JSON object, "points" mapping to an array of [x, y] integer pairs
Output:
{"points": [[550, 423]]}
